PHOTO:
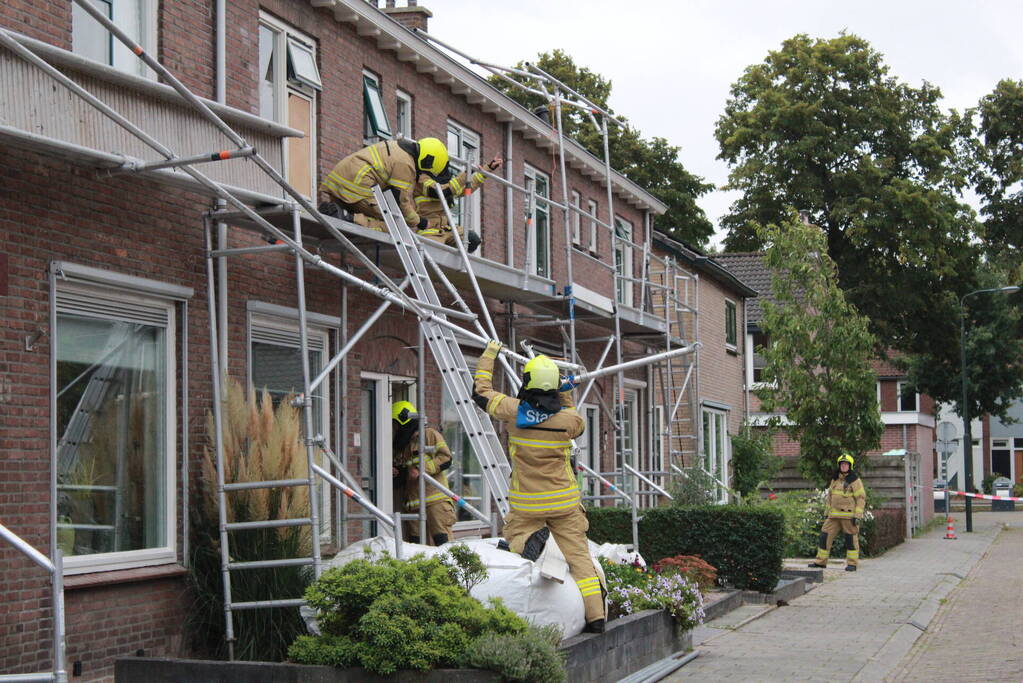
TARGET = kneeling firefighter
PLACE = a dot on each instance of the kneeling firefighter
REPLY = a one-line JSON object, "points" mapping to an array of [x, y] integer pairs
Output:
{"points": [[440, 510], [429, 206], [847, 499], [544, 497]]}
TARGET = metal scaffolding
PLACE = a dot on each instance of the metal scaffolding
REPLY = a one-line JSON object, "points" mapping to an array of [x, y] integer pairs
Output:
{"points": [[438, 328]]}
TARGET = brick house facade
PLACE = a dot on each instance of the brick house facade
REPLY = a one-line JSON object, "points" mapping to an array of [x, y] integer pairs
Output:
{"points": [[119, 262]]}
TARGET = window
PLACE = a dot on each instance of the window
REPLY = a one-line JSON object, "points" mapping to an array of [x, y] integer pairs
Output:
{"points": [[576, 218], [657, 447], [758, 342], [1018, 442], [464, 144], [116, 427], [375, 126], [373, 442], [623, 261], [403, 117], [589, 449], [715, 450], [465, 476], [538, 251], [630, 424], [908, 402], [275, 364], [730, 325], [287, 94], [592, 210], [91, 40]]}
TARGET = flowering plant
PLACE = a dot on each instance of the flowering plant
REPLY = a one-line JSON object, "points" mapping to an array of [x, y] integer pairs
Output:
{"points": [[632, 589]]}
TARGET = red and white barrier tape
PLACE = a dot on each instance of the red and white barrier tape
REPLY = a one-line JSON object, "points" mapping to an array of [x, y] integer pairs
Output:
{"points": [[982, 496]]}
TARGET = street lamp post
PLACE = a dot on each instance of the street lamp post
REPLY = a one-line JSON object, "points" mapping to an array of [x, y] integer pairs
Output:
{"points": [[967, 432]]}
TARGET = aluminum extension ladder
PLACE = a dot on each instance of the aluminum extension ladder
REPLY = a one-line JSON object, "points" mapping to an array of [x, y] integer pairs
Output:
{"points": [[458, 380]]}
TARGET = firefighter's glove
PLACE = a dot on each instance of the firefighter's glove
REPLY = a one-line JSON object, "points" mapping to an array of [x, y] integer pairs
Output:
{"points": [[423, 223], [568, 383], [493, 348]]}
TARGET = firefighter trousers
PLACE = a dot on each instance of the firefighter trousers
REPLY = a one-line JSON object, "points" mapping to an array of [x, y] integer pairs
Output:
{"points": [[568, 527], [440, 518], [832, 525]]}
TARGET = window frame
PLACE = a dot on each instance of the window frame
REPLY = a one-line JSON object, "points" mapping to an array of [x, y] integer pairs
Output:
{"points": [[731, 321], [372, 88], [457, 470], [120, 57], [126, 294], [899, 398], [576, 201], [593, 207], [533, 173], [466, 210], [624, 287], [717, 417], [403, 98], [283, 35]]}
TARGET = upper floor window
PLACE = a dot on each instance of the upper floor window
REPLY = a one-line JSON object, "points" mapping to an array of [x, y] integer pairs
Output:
{"points": [[623, 261], [91, 40], [289, 81], [376, 127], [758, 344], [403, 116], [464, 144], [591, 208], [730, 324], [539, 248], [908, 402], [576, 218]]}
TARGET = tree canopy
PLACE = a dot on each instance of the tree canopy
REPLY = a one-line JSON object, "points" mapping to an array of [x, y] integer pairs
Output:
{"points": [[818, 371], [652, 163]]}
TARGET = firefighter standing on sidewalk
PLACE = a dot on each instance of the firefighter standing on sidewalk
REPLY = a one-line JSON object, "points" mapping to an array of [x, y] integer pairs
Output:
{"points": [[846, 501], [440, 510], [544, 496]]}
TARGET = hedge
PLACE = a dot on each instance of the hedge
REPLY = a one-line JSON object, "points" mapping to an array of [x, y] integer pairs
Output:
{"points": [[743, 543]]}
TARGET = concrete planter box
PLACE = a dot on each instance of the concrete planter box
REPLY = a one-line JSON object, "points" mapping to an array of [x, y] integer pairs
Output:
{"points": [[628, 645]]}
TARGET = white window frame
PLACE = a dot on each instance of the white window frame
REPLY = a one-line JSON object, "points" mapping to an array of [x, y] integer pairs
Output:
{"points": [[593, 208], [623, 287], [534, 174], [657, 444], [367, 125], [735, 323], [711, 459], [384, 447], [459, 458], [403, 129], [268, 324], [285, 35], [898, 399], [121, 58], [589, 485], [576, 218], [468, 146], [166, 554]]}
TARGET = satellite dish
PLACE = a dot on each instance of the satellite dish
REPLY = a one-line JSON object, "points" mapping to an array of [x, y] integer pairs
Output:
{"points": [[947, 431]]}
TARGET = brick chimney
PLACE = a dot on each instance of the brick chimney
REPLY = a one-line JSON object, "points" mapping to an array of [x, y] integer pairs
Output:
{"points": [[411, 17]]}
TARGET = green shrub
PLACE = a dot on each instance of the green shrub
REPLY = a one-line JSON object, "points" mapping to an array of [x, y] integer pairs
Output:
{"points": [[609, 525], [465, 566], [744, 543], [753, 461], [694, 487], [530, 656], [388, 615]]}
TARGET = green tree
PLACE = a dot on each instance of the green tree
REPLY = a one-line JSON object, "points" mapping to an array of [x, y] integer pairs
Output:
{"points": [[821, 125], [818, 370], [653, 164], [999, 156], [753, 460]]}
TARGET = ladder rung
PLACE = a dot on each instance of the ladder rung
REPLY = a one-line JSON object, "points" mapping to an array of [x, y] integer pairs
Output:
{"points": [[268, 524], [245, 485], [259, 604], [267, 564]]}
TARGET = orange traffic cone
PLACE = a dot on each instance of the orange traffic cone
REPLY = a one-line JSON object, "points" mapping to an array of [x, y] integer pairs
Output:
{"points": [[950, 530]]}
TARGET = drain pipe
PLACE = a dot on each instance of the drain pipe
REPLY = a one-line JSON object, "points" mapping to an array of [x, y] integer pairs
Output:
{"points": [[220, 54], [509, 198]]}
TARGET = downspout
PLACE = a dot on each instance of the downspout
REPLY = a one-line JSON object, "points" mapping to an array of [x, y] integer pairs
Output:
{"points": [[509, 198], [220, 53], [747, 360]]}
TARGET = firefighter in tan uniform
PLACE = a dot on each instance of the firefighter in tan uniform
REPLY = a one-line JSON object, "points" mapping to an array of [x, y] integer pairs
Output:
{"points": [[544, 496], [440, 510], [392, 165], [438, 228], [846, 501]]}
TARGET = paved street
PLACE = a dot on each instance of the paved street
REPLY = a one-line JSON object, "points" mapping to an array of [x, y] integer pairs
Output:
{"points": [[867, 626]]}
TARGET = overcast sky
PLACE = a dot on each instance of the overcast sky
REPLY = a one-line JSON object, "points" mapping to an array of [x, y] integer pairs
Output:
{"points": [[672, 61]]}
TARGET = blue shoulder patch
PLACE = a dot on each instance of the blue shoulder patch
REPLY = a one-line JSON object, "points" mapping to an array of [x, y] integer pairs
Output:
{"points": [[529, 416]]}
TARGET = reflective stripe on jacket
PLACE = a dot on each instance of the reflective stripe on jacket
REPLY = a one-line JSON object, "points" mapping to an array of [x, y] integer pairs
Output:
{"points": [[542, 479], [384, 165], [436, 464], [430, 208], [846, 497]]}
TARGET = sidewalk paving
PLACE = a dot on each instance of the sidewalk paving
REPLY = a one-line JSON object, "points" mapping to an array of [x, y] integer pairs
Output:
{"points": [[853, 627], [978, 633]]}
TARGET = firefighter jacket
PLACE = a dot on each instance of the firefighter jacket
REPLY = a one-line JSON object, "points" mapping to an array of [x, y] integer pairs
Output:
{"points": [[430, 208], [436, 465], [846, 497], [542, 480], [385, 165]]}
